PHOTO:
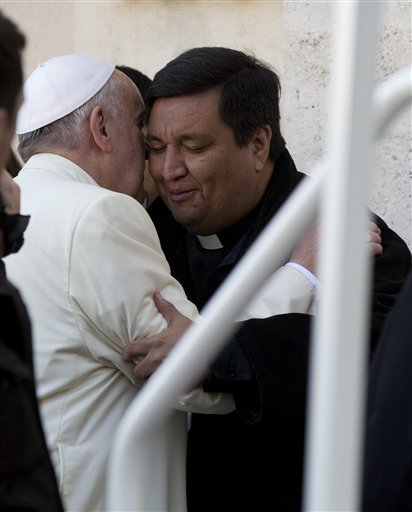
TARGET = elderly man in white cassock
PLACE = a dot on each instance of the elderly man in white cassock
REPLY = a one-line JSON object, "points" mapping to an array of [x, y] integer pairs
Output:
{"points": [[88, 270]]}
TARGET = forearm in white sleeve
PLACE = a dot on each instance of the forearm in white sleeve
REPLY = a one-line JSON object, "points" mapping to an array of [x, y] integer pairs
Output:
{"points": [[288, 290]]}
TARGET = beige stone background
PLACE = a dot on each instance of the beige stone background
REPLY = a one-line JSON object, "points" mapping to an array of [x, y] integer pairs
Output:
{"points": [[296, 37]]}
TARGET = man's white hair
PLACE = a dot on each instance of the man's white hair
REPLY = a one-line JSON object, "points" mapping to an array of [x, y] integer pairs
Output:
{"points": [[68, 131]]}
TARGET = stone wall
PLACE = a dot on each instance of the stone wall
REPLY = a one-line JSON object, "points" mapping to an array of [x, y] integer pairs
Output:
{"points": [[308, 32], [294, 36]]}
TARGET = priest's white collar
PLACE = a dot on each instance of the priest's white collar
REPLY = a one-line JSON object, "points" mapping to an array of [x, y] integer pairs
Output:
{"points": [[210, 242]]}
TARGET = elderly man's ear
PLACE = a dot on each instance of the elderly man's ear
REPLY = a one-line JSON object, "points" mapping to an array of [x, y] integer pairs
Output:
{"points": [[100, 129]]}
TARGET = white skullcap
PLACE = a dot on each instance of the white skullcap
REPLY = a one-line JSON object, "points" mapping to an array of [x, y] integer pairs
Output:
{"points": [[59, 86]]}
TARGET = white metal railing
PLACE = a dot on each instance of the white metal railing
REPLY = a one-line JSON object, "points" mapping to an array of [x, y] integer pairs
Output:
{"points": [[204, 340], [338, 353]]}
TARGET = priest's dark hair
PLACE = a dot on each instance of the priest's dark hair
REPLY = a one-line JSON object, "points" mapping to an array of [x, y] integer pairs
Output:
{"points": [[141, 80]]}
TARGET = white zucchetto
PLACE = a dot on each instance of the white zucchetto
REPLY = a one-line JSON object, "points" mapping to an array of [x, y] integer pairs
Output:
{"points": [[59, 86]]}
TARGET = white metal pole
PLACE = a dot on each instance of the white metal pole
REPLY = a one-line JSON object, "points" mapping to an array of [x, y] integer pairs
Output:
{"points": [[337, 372]]}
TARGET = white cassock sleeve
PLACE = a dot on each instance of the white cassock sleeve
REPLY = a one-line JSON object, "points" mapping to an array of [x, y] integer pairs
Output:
{"points": [[116, 266]]}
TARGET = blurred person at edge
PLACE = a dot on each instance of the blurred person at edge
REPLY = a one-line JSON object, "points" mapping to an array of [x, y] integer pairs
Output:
{"points": [[223, 171], [27, 479], [387, 485]]}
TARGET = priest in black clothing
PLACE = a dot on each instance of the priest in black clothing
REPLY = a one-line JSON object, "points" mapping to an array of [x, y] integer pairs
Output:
{"points": [[222, 170]]}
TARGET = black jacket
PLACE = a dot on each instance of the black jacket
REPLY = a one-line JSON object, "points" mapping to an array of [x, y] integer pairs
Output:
{"points": [[252, 459], [27, 479], [388, 447]]}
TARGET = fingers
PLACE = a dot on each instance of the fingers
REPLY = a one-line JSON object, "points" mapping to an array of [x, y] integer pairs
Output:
{"points": [[136, 349], [373, 228], [166, 309], [147, 354], [375, 249], [146, 366], [373, 239]]}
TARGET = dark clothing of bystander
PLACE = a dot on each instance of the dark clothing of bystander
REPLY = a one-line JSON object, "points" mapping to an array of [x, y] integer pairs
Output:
{"points": [[27, 479], [388, 448]]}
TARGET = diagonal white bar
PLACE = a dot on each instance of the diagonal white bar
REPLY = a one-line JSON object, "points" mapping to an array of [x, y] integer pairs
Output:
{"points": [[390, 97], [337, 372]]}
